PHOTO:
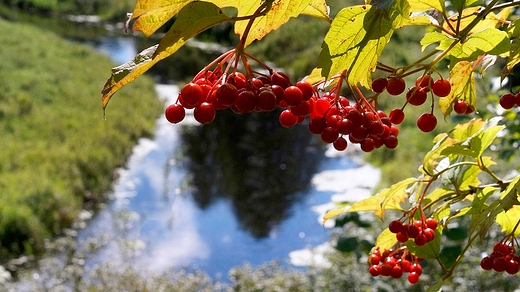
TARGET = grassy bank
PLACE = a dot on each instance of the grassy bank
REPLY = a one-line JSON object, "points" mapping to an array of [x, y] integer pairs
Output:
{"points": [[57, 152]]}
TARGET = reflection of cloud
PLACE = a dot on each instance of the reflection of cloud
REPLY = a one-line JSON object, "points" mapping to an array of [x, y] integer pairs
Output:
{"points": [[365, 176], [316, 257], [176, 245]]}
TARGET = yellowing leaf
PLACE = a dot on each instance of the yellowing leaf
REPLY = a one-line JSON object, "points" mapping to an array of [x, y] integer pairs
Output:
{"points": [[150, 15], [423, 5], [333, 213], [462, 82], [280, 13], [193, 19], [468, 15], [508, 220], [435, 37], [356, 39], [386, 240]]}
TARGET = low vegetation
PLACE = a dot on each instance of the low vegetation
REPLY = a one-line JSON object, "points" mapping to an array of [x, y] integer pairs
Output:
{"points": [[58, 153]]}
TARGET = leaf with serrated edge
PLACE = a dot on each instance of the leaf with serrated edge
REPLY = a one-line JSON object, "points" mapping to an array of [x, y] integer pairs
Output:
{"points": [[508, 220], [193, 19], [356, 40], [462, 82]]}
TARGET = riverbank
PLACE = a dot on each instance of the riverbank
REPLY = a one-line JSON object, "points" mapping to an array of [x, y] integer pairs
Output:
{"points": [[58, 153]]}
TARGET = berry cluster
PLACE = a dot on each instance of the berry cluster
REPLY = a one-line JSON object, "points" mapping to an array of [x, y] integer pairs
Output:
{"points": [[509, 100], [503, 258], [395, 263], [335, 119], [461, 107], [415, 95], [421, 231]]}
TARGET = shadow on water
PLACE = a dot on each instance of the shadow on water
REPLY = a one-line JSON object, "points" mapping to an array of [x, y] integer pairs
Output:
{"points": [[254, 162]]}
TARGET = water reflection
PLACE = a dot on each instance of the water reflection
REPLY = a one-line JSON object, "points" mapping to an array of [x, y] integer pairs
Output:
{"points": [[254, 162]]}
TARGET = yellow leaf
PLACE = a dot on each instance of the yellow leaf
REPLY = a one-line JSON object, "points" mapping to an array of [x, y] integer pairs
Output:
{"points": [[333, 213], [150, 15], [468, 15], [508, 220], [423, 5], [462, 82], [386, 240]]}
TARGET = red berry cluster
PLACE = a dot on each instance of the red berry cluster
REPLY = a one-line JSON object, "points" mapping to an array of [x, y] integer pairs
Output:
{"points": [[509, 100], [335, 119], [395, 263], [461, 107], [415, 95], [209, 92], [420, 231], [503, 258]]}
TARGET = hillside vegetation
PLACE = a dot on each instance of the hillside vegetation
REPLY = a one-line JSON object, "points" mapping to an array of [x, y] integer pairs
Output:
{"points": [[57, 153]]}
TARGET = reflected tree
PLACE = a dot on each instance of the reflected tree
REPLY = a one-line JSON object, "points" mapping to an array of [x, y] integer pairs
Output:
{"points": [[250, 159]]}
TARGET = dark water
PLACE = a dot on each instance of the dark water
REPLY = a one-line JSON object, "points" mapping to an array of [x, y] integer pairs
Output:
{"points": [[242, 189]]}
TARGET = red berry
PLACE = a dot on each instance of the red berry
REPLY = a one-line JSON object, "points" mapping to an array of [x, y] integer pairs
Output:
{"points": [[237, 79], [306, 89], [395, 86], [367, 145], [395, 226], [397, 272], [329, 135], [416, 96], [427, 122], [413, 231], [431, 223], [441, 87], [226, 94], [391, 142], [374, 270], [204, 113], [401, 237], [293, 95], [192, 94], [486, 263], [287, 119], [429, 233], [375, 259], [379, 84], [175, 113], [508, 100], [424, 81], [460, 107], [281, 79], [499, 264], [246, 101], [396, 116], [340, 144], [517, 99], [413, 278], [267, 100], [512, 267]]}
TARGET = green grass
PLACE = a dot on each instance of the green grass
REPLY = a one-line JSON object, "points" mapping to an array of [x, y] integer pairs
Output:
{"points": [[57, 152]]}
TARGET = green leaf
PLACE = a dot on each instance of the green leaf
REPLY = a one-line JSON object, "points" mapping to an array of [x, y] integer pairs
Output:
{"points": [[356, 39], [448, 255], [461, 4], [456, 233], [428, 251], [436, 37], [437, 287], [491, 41], [193, 19], [430, 160]]}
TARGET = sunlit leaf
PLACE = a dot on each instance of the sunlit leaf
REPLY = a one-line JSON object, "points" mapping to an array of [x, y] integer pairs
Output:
{"points": [[490, 41], [467, 17], [462, 132], [423, 5], [279, 14], [333, 213], [150, 15], [462, 81], [193, 19], [436, 37], [508, 220], [430, 160], [386, 240], [356, 39]]}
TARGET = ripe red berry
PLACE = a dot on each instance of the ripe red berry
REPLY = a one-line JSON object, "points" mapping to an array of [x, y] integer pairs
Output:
{"points": [[401, 237], [427, 122], [306, 89], [413, 231], [512, 267], [499, 264], [192, 94], [413, 278], [431, 223], [460, 106], [397, 272], [374, 270], [293, 95], [379, 84], [508, 100], [486, 263], [246, 101], [416, 96], [340, 144], [424, 81], [226, 94], [395, 86], [441, 87], [266, 100], [395, 226], [175, 113], [281, 79], [329, 135], [391, 142], [287, 119], [204, 113], [396, 116]]}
